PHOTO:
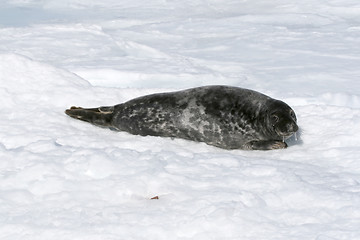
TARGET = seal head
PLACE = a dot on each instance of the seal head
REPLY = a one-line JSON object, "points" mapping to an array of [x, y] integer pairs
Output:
{"points": [[282, 120]]}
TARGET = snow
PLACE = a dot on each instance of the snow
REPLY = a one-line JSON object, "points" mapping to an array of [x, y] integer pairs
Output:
{"points": [[65, 179]]}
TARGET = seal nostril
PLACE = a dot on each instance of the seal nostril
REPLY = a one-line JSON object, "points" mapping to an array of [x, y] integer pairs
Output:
{"points": [[292, 127], [296, 128]]}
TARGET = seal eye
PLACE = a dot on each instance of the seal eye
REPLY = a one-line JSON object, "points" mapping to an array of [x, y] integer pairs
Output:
{"points": [[275, 118], [292, 114]]}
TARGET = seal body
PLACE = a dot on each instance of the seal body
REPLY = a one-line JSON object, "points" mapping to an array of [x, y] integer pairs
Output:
{"points": [[222, 116]]}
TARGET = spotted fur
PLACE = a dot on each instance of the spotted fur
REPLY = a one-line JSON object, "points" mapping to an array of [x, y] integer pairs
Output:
{"points": [[222, 116]]}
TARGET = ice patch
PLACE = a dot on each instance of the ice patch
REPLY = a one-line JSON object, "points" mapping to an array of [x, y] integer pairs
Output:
{"points": [[293, 20], [133, 79], [341, 99]]}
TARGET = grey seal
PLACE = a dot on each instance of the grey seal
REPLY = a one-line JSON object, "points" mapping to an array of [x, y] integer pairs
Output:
{"points": [[222, 116]]}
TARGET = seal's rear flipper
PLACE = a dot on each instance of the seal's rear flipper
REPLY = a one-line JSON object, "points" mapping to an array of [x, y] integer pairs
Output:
{"points": [[101, 116]]}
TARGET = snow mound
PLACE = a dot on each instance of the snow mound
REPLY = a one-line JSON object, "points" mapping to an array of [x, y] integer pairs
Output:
{"points": [[30, 83], [70, 179]]}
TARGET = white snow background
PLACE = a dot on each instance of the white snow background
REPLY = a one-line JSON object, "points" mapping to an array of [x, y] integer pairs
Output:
{"points": [[65, 179]]}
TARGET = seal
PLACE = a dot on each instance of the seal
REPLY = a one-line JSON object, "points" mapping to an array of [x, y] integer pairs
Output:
{"points": [[222, 116]]}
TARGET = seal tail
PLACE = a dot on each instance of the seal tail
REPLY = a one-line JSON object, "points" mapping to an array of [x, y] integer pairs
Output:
{"points": [[101, 116]]}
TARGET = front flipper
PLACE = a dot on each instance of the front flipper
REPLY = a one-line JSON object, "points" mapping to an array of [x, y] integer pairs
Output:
{"points": [[265, 145]]}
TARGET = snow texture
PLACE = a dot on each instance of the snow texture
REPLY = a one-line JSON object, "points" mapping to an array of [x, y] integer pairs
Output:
{"points": [[64, 179]]}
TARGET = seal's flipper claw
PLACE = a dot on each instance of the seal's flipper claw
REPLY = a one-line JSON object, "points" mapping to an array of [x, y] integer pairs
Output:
{"points": [[73, 107], [265, 145]]}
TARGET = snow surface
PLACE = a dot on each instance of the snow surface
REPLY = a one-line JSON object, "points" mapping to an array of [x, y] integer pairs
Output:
{"points": [[65, 179]]}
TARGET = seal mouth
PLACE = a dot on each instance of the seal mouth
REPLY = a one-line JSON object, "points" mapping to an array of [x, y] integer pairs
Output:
{"points": [[285, 131], [285, 135]]}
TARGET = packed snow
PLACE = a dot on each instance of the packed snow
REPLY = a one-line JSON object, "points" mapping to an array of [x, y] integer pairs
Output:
{"points": [[65, 179]]}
